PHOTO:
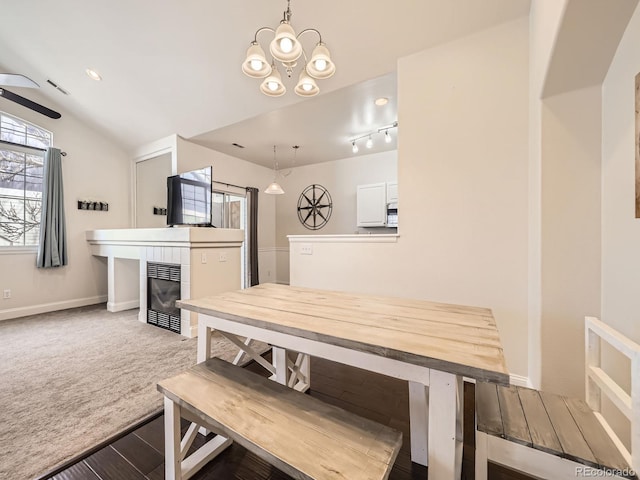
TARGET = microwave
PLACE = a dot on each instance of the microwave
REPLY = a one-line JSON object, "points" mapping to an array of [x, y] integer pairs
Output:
{"points": [[392, 215]]}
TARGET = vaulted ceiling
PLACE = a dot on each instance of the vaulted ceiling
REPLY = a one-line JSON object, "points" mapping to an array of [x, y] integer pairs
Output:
{"points": [[174, 67]]}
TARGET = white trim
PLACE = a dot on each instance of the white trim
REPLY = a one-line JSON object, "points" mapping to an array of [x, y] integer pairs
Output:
{"points": [[19, 250], [50, 307], [614, 438], [120, 306], [352, 238], [535, 462], [613, 337], [272, 249], [519, 380]]}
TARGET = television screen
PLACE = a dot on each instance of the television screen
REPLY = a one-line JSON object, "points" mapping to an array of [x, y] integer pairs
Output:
{"points": [[189, 198]]}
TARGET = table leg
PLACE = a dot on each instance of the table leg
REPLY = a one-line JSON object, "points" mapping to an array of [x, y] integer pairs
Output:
{"points": [[204, 342], [203, 353], [419, 421], [279, 360], [445, 439], [294, 374]]}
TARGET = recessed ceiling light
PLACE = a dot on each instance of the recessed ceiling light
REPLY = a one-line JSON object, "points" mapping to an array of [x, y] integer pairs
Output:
{"points": [[93, 75], [381, 101]]}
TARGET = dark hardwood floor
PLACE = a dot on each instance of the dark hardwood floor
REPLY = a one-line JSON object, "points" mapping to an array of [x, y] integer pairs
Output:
{"points": [[139, 455]]}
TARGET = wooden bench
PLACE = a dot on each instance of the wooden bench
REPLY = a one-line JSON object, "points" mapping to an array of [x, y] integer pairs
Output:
{"points": [[298, 434], [553, 436]]}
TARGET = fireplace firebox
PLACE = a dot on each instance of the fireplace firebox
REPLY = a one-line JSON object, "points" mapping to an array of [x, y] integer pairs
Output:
{"points": [[163, 289]]}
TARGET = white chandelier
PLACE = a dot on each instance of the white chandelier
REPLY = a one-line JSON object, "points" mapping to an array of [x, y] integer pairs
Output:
{"points": [[287, 49]]}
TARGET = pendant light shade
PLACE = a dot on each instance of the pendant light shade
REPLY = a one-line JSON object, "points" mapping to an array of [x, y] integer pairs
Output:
{"points": [[255, 64], [320, 66], [274, 189], [306, 86], [285, 47], [272, 85]]}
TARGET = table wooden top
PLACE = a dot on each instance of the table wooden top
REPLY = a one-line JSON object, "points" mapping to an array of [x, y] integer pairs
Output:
{"points": [[452, 338]]}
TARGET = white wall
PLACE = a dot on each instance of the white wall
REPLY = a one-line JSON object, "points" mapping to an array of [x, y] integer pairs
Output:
{"points": [[545, 18], [94, 169], [462, 176], [340, 178], [571, 146], [151, 190], [620, 228], [226, 168]]}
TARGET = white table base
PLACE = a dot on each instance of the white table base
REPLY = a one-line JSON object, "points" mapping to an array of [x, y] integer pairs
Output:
{"points": [[428, 389]]}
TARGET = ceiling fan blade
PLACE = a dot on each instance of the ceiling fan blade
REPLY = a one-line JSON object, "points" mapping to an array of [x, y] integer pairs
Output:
{"points": [[17, 80], [25, 102]]}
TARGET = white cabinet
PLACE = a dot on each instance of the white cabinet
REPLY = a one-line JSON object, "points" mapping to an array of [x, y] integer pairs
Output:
{"points": [[392, 192], [372, 205]]}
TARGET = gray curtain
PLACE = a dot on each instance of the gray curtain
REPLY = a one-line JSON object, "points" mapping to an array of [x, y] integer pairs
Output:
{"points": [[252, 194], [52, 247]]}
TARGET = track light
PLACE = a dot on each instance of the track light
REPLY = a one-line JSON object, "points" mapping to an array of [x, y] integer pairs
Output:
{"points": [[369, 136], [369, 143]]}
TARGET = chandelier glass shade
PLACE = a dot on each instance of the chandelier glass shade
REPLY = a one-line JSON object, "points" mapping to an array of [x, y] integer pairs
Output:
{"points": [[286, 49], [272, 85]]}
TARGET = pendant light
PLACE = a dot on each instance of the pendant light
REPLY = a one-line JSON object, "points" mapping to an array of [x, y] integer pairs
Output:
{"points": [[274, 188]]}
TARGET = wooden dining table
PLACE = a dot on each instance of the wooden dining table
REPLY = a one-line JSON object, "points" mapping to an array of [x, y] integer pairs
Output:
{"points": [[431, 345]]}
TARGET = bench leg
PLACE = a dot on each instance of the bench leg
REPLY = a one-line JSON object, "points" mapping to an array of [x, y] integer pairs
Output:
{"points": [[481, 456], [177, 465], [445, 441], [172, 456]]}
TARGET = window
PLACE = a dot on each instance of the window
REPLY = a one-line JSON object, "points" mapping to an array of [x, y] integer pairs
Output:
{"points": [[21, 170]]}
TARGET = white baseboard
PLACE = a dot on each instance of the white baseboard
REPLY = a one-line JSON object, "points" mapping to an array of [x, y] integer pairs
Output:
{"points": [[120, 306], [519, 380], [50, 307]]}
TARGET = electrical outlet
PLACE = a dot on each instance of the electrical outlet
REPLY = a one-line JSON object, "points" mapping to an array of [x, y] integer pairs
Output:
{"points": [[6, 294], [306, 249], [203, 258], [223, 257]]}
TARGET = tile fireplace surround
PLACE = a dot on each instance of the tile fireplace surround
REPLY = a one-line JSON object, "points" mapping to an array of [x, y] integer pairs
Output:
{"points": [[209, 259]]}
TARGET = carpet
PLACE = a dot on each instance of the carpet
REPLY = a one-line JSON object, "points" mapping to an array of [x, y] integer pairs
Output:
{"points": [[73, 378]]}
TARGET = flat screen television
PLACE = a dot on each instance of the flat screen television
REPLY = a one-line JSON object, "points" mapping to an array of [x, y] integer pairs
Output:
{"points": [[189, 198]]}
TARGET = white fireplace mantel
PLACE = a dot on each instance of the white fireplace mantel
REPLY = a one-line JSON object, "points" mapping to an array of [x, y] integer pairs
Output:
{"points": [[210, 261]]}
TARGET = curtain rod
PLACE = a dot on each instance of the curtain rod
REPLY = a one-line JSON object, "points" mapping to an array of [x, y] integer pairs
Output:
{"points": [[229, 184], [64, 154]]}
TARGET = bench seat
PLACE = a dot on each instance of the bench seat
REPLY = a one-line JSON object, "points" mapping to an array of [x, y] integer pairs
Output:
{"points": [[298, 434], [552, 424]]}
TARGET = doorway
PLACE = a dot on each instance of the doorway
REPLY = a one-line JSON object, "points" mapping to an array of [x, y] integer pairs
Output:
{"points": [[229, 210]]}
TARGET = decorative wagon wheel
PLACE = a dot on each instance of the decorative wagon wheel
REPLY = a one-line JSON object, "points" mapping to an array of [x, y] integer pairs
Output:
{"points": [[314, 207]]}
